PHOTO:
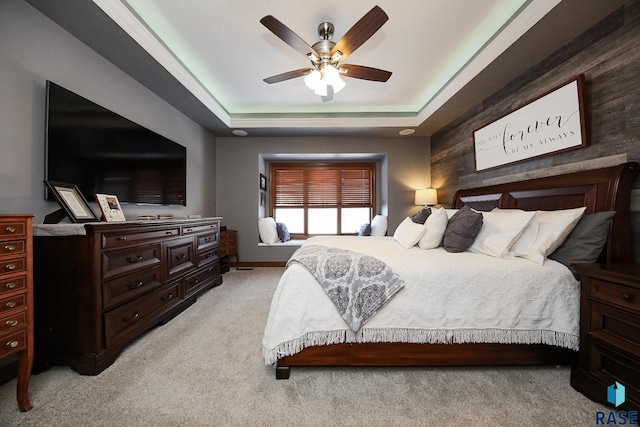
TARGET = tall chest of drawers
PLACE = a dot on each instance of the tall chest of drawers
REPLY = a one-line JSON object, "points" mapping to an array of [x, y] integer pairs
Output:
{"points": [[97, 292], [609, 332], [16, 298]]}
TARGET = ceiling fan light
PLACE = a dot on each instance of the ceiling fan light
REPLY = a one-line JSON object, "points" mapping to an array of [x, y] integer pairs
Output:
{"points": [[332, 77], [321, 89], [312, 80]]}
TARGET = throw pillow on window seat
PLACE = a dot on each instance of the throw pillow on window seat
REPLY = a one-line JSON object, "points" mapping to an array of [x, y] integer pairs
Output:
{"points": [[283, 231], [268, 230], [365, 230], [379, 225]]}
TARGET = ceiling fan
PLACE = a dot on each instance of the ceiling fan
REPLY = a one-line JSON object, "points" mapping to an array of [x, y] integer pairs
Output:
{"points": [[326, 56]]}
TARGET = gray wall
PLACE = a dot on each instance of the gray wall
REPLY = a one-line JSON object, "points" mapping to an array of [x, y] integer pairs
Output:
{"points": [[609, 57], [237, 180], [32, 50]]}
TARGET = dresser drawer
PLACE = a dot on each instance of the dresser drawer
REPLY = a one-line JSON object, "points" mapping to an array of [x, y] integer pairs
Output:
{"points": [[623, 296], [123, 320], [12, 247], [179, 256], [13, 229], [615, 327], [122, 289], [14, 302], [13, 342], [199, 228], [609, 365], [201, 279], [13, 265], [116, 240], [226, 250], [228, 236], [13, 322], [12, 285], [123, 261], [207, 257], [207, 241]]}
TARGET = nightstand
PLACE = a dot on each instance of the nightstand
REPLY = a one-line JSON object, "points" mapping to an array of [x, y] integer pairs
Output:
{"points": [[609, 332], [228, 246]]}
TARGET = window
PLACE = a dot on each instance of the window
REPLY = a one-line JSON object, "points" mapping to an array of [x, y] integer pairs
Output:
{"points": [[322, 198]]}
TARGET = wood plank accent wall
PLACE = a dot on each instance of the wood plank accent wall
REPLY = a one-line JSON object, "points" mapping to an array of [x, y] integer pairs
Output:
{"points": [[609, 57]]}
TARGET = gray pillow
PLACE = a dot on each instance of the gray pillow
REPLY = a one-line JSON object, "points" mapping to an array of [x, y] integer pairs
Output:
{"points": [[365, 230], [283, 231], [462, 229], [586, 240], [421, 216]]}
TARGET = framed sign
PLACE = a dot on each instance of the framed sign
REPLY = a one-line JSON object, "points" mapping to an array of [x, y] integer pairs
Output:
{"points": [[73, 204], [110, 207], [551, 123]]}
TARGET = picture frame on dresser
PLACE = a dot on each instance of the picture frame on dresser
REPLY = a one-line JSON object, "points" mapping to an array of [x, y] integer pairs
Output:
{"points": [[72, 203], [110, 207]]}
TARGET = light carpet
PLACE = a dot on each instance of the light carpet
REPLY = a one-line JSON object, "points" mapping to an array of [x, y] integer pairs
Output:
{"points": [[205, 368]]}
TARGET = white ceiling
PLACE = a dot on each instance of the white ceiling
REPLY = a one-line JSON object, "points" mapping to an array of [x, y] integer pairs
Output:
{"points": [[445, 56]]}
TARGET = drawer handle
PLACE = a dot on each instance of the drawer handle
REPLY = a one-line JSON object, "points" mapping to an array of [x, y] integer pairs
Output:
{"points": [[179, 257], [10, 304], [188, 230], [10, 229], [10, 267], [11, 323], [128, 319], [122, 238], [134, 260], [9, 248], [169, 232], [12, 344], [168, 297], [136, 285], [626, 297], [10, 285]]}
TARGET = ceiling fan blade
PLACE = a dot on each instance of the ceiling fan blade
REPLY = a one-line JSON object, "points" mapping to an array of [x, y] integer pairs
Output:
{"points": [[288, 75], [288, 36], [360, 32], [365, 73]]}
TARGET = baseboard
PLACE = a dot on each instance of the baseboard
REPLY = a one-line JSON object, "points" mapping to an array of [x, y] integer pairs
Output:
{"points": [[243, 264]]}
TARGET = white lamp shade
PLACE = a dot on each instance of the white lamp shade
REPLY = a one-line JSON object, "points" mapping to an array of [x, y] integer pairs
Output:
{"points": [[332, 77], [426, 196], [312, 79]]}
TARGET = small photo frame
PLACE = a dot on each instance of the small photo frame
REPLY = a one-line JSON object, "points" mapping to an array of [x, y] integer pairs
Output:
{"points": [[263, 182], [72, 201], [110, 207]]}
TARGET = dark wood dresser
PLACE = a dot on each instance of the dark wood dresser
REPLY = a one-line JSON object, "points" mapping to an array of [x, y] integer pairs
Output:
{"points": [[97, 292], [609, 332], [16, 298], [228, 248]]}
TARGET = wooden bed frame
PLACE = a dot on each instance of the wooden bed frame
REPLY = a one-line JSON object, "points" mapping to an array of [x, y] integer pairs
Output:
{"points": [[599, 190]]}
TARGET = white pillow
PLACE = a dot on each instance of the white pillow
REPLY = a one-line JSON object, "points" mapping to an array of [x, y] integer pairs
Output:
{"points": [[499, 232], [408, 233], [553, 229], [434, 228], [379, 225], [522, 245], [268, 230]]}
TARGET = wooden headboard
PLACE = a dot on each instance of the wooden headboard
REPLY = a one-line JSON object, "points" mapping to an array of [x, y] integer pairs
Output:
{"points": [[606, 189]]}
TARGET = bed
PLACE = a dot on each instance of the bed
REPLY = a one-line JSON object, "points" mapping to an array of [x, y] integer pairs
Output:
{"points": [[304, 329]]}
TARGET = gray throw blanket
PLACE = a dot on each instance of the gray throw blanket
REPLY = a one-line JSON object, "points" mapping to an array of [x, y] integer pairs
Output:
{"points": [[357, 284]]}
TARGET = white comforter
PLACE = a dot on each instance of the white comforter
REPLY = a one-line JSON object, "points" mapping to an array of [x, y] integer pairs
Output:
{"points": [[448, 298]]}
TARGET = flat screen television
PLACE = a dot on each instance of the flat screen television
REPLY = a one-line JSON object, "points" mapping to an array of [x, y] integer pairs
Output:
{"points": [[102, 152]]}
